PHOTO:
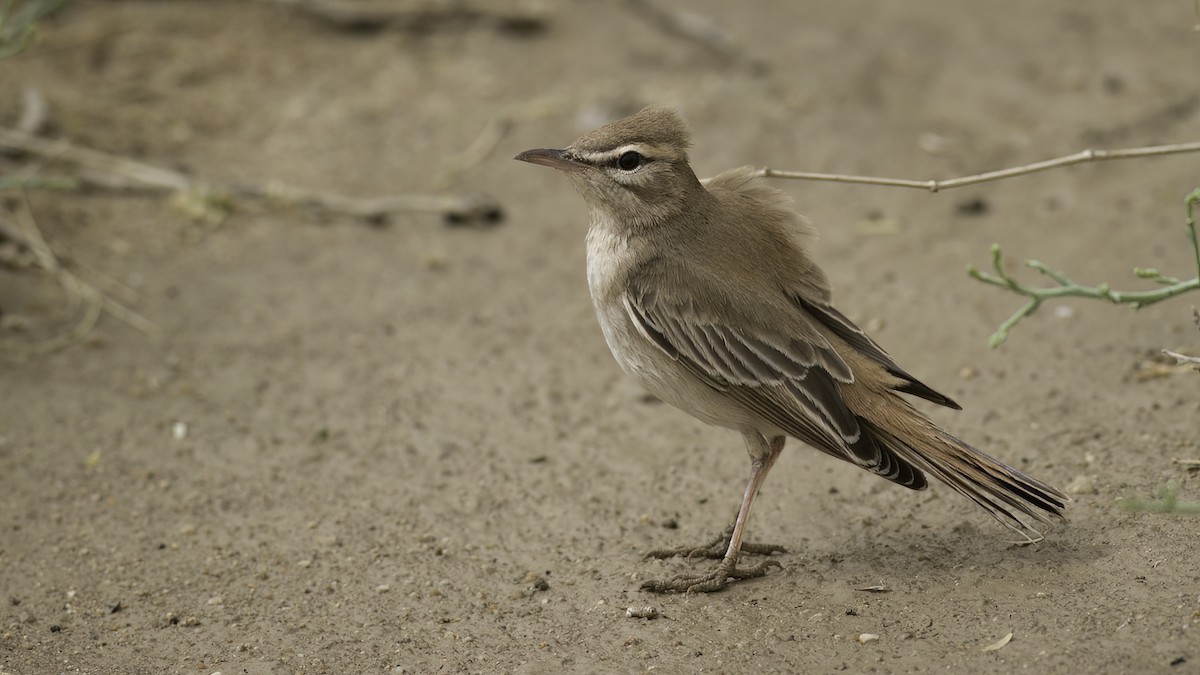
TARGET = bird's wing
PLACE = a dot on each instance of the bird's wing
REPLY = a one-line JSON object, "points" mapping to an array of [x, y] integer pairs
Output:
{"points": [[845, 329], [808, 288], [790, 382]]}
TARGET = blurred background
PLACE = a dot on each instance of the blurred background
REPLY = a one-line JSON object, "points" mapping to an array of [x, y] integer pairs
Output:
{"points": [[300, 374]]}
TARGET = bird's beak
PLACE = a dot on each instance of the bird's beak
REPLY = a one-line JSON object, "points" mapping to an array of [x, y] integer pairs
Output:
{"points": [[555, 159]]}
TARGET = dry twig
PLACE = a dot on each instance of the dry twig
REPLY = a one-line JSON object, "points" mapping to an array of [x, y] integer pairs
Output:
{"points": [[937, 185], [494, 130], [113, 171], [1065, 287], [1183, 359], [78, 292], [522, 16]]}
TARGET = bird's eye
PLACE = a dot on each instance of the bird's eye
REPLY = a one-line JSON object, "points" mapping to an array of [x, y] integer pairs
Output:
{"points": [[630, 161]]}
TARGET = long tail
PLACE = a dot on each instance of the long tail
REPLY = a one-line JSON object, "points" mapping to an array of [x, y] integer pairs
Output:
{"points": [[1016, 500]]}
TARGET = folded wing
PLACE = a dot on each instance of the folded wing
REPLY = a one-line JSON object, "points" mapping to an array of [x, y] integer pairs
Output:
{"points": [[789, 382]]}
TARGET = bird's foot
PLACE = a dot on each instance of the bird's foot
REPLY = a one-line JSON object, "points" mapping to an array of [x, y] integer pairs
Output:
{"points": [[716, 580], [716, 549]]}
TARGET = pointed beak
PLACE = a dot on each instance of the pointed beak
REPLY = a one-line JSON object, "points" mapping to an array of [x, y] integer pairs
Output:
{"points": [[555, 159]]}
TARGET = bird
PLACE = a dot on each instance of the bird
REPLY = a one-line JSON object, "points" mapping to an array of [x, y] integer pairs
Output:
{"points": [[708, 296]]}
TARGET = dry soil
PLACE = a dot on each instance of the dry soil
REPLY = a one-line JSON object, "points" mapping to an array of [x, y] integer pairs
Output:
{"points": [[403, 447]]}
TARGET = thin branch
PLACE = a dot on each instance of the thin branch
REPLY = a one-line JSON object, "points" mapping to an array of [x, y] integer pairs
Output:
{"points": [[101, 168], [494, 130], [937, 185], [1181, 359], [78, 292], [1067, 287], [92, 306], [114, 171], [463, 207], [362, 14]]}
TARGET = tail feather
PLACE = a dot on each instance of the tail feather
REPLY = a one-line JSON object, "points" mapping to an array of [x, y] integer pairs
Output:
{"points": [[1016, 500]]}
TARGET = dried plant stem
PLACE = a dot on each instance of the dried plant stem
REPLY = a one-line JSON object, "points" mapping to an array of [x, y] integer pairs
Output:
{"points": [[937, 185], [114, 171], [457, 207], [494, 130], [93, 303], [1181, 359], [376, 13], [78, 292]]}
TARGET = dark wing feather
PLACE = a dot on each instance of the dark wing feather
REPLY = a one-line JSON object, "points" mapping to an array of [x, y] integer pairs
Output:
{"points": [[790, 383], [842, 327]]}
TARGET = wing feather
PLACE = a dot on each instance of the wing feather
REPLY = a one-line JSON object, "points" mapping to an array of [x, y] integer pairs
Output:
{"points": [[793, 384], [836, 322]]}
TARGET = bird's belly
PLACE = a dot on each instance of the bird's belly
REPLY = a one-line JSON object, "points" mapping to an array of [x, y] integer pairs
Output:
{"points": [[669, 380]]}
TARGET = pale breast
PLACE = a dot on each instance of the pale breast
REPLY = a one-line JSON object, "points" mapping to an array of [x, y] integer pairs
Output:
{"points": [[608, 258], [611, 257]]}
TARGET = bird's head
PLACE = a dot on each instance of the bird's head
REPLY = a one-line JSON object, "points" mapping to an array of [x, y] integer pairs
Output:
{"points": [[633, 171]]}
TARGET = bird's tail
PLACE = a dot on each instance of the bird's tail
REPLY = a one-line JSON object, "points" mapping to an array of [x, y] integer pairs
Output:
{"points": [[1018, 501]]}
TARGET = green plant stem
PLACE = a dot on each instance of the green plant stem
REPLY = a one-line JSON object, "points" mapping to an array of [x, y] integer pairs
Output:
{"points": [[1168, 503], [17, 22], [1067, 287]]}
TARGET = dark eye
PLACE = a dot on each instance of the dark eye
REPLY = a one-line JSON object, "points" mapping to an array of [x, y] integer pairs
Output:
{"points": [[630, 161]]}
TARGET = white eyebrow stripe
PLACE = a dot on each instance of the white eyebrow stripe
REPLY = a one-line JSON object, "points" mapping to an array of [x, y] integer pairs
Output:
{"points": [[613, 154], [626, 148]]}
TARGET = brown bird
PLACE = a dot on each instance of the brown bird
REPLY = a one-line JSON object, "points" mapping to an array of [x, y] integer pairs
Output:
{"points": [[708, 297]]}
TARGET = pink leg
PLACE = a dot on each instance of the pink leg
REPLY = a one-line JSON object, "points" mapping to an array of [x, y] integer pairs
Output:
{"points": [[762, 457]]}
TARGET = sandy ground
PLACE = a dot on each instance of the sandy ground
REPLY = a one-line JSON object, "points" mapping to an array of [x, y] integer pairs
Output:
{"points": [[407, 447]]}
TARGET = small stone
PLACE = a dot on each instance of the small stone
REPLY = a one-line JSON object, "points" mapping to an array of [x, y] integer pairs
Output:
{"points": [[1081, 485], [646, 612]]}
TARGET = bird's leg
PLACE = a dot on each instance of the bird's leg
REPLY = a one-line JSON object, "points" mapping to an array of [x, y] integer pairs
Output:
{"points": [[762, 458]]}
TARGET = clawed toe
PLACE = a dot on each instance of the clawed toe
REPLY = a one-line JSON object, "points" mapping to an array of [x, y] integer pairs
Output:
{"points": [[728, 545], [715, 549], [716, 580]]}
